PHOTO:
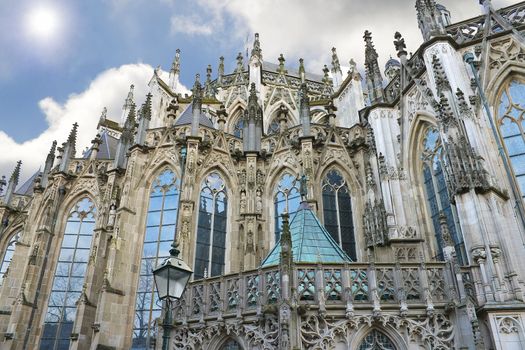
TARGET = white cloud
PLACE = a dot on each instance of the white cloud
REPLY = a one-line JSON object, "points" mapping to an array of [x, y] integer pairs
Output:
{"points": [[191, 25], [109, 89]]}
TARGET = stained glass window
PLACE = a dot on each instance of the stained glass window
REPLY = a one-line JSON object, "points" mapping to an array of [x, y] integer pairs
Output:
{"points": [[337, 210], [238, 127], [160, 232], [511, 123], [437, 194], [287, 198], [69, 276], [211, 228], [376, 340], [8, 255]]}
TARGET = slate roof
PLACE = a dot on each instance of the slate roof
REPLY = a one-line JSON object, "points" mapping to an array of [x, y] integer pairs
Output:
{"points": [[27, 187], [107, 149], [187, 115], [311, 242]]}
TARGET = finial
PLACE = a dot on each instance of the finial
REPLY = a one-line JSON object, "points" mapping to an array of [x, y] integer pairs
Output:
{"points": [[326, 77], [72, 139], [104, 114], [400, 45], [3, 182], [336, 66], [239, 62], [175, 66], [256, 50], [281, 65], [146, 107], [352, 66], [208, 73], [15, 176]]}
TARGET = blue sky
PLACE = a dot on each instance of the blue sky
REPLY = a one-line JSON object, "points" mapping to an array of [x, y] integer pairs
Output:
{"points": [[93, 50]]}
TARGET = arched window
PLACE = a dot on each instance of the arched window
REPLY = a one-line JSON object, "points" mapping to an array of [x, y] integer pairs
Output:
{"points": [[511, 123], [160, 232], [286, 199], [437, 194], [274, 127], [238, 127], [8, 255], [231, 345], [69, 276], [376, 340], [211, 228], [337, 211]]}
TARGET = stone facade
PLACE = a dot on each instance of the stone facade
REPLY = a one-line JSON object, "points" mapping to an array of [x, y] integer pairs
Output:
{"points": [[434, 210]]}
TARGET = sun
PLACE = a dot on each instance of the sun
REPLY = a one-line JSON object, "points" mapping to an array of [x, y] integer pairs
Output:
{"points": [[43, 22]]}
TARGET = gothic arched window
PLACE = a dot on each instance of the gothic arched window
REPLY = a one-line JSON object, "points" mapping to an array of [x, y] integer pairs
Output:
{"points": [[211, 228], [511, 121], [287, 198], [8, 255], [337, 211], [69, 276], [376, 340], [274, 127], [231, 345], [160, 232], [437, 194]]}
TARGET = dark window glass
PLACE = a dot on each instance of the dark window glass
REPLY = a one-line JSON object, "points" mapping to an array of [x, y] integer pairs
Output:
{"points": [[287, 198], [376, 340], [8, 255], [211, 228]]}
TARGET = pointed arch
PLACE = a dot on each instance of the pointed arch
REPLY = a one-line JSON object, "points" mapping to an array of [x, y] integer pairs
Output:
{"points": [[273, 114], [67, 282], [286, 198], [7, 251], [235, 122], [160, 228], [376, 339], [319, 115]]}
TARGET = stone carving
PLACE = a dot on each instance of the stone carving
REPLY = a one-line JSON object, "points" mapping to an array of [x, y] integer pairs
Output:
{"points": [[375, 223]]}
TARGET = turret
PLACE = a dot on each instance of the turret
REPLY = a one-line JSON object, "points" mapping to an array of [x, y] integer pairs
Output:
{"points": [[127, 105], [429, 19], [13, 182], [175, 71], [196, 106], [252, 132], [374, 80]]}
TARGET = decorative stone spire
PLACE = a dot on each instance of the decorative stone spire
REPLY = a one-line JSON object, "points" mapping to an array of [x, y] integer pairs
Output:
{"points": [[256, 50], [400, 45], [304, 109], [286, 244], [374, 80], [281, 69], [126, 139], [442, 83], [209, 90], [145, 118], [429, 19], [127, 105], [13, 182], [240, 64], [337, 74], [220, 70], [302, 72], [252, 132], [197, 104], [3, 182], [49, 164], [69, 148], [95, 146], [175, 71], [103, 115]]}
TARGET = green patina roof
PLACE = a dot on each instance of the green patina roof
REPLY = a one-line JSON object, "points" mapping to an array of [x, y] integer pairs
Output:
{"points": [[311, 242]]}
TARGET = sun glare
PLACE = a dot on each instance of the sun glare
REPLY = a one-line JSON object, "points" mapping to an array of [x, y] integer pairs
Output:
{"points": [[43, 22]]}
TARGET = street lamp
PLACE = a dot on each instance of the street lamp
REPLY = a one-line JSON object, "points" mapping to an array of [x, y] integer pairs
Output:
{"points": [[171, 278]]}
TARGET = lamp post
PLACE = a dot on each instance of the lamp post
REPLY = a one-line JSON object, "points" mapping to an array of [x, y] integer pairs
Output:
{"points": [[171, 278]]}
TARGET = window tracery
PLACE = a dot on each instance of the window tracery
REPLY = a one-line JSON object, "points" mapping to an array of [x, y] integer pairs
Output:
{"points": [[274, 127], [287, 198], [8, 255], [161, 222], [238, 127], [68, 279], [231, 345], [511, 122], [337, 211], [442, 211], [211, 228], [376, 340]]}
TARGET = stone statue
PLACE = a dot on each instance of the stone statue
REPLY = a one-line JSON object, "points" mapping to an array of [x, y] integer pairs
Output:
{"points": [[112, 215], [258, 202]]}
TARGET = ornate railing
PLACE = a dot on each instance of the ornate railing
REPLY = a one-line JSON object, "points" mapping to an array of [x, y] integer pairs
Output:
{"points": [[365, 286]]}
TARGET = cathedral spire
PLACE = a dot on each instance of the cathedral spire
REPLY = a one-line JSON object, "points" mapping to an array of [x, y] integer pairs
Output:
{"points": [[127, 105], [429, 19], [304, 109], [374, 80], [252, 132], [175, 71], [196, 105], [256, 50], [13, 182], [337, 74], [49, 163], [69, 148]]}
